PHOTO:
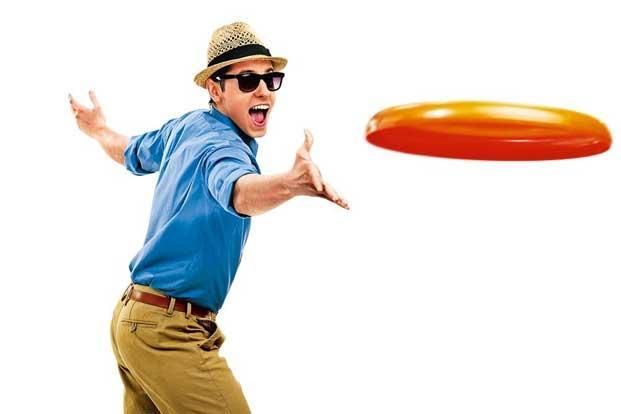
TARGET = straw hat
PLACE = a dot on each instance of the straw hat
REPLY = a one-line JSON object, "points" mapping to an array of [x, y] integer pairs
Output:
{"points": [[233, 43]]}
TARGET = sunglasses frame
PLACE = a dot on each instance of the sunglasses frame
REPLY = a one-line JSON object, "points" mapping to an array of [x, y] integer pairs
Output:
{"points": [[263, 77]]}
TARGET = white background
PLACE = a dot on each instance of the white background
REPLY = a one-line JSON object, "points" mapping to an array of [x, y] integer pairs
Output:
{"points": [[450, 287]]}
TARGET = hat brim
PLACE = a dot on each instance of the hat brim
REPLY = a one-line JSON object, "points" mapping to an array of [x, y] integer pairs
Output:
{"points": [[201, 77]]}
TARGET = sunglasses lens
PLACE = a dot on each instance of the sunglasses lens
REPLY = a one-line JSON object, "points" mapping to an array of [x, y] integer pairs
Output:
{"points": [[273, 81], [248, 82]]}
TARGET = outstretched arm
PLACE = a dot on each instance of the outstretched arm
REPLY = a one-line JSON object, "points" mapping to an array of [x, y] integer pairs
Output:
{"points": [[255, 194], [93, 123]]}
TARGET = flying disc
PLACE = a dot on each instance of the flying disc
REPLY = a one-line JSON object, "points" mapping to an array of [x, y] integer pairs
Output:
{"points": [[488, 131]]}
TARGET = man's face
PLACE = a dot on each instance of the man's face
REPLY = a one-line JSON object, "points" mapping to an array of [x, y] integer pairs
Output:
{"points": [[241, 106]]}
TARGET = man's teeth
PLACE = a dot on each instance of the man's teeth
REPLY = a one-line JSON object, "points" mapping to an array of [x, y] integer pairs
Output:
{"points": [[261, 107]]}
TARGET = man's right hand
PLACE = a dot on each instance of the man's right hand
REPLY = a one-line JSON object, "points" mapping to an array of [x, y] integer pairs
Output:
{"points": [[93, 123], [305, 177], [90, 121]]}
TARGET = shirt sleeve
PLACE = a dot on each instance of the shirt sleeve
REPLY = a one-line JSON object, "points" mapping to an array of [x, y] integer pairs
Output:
{"points": [[143, 153], [225, 164]]}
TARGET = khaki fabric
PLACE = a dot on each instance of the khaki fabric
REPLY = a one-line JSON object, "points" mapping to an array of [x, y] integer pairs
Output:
{"points": [[169, 362]]}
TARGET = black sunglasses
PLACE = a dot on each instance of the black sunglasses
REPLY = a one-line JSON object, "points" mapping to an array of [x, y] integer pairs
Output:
{"points": [[249, 81]]}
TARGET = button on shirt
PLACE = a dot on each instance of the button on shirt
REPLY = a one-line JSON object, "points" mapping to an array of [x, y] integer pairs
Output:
{"points": [[195, 238]]}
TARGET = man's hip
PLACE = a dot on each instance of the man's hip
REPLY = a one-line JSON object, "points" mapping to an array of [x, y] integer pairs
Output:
{"points": [[173, 355]]}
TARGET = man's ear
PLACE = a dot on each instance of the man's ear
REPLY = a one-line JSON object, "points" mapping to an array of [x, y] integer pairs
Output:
{"points": [[214, 90]]}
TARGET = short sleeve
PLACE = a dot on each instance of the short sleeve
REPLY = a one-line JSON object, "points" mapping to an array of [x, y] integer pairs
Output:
{"points": [[225, 164], [143, 153]]}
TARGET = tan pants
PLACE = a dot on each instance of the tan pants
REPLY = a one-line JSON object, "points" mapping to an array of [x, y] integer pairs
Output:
{"points": [[169, 361]]}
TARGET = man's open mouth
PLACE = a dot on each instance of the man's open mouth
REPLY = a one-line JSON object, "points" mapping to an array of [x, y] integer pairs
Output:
{"points": [[258, 113]]}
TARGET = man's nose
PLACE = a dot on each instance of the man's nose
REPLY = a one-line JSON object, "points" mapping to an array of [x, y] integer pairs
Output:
{"points": [[262, 89]]}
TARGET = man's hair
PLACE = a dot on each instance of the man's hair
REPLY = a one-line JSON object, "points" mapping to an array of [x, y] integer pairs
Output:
{"points": [[215, 75]]}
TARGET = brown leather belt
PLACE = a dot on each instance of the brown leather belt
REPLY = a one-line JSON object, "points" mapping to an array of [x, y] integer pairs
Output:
{"points": [[164, 302]]}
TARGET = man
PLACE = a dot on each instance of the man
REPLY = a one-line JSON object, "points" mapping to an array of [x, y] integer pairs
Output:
{"points": [[164, 332]]}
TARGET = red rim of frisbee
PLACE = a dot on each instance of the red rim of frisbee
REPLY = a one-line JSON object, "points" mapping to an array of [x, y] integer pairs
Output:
{"points": [[488, 131]]}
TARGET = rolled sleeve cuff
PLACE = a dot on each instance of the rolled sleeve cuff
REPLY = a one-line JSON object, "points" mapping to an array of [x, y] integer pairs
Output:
{"points": [[225, 192], [132, 161], [231, 180], [223, 167]]}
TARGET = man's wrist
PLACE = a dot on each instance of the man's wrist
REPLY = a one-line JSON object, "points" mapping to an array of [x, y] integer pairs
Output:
{"points": [[100, 134], [288, 184], [112, 142]]}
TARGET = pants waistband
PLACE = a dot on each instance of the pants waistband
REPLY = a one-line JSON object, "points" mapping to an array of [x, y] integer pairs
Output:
{"points": [[148, 289]]}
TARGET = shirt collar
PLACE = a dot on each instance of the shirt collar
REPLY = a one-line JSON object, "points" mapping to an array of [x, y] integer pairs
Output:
{"points": [[251, 142]]}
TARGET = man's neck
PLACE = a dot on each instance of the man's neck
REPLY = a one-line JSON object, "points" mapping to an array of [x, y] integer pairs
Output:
{"points": [[214, 106], [245, 137]]}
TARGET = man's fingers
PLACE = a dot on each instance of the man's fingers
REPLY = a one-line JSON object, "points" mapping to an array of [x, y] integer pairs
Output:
{"points": [[91, 94], [340, 202], [73, 108], [75, 105], [333, 196], [316, 178], [330, 192], [303, 151], [308, 139]]}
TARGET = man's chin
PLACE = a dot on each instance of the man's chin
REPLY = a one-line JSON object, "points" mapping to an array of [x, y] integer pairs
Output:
{"points": [[257, 132]]}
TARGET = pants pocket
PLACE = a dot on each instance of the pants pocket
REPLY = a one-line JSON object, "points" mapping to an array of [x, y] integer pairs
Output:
{"points": [[134, 324], [214, 336]]}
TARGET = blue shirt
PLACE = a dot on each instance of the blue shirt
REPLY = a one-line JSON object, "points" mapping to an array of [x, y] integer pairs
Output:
{"points": [[195, 238]]}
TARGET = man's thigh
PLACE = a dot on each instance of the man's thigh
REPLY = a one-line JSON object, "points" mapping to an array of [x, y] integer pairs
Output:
{"points": [[176, 360]]}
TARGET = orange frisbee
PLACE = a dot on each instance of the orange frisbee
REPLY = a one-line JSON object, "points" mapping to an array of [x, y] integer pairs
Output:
{"points": [[488, 131]]}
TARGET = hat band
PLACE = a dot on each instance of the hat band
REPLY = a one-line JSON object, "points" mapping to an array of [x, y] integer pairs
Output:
{"points": [[240, 52]]}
